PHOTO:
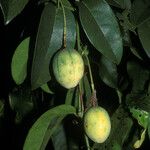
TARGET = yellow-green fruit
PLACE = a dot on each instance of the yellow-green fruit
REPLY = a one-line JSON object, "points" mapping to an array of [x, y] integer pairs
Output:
{"points": [[68, 68], [97, 124]]}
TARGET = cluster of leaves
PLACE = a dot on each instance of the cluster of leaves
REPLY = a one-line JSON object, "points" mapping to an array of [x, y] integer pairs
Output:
{"points": [[116, 34]]}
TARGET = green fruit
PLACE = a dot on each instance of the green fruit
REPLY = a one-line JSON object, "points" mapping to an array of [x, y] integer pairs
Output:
{"points": [[97, 124], [68, 68]]}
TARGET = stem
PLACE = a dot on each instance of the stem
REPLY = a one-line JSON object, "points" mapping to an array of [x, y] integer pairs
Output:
{"points": [[87, 142], [119, 96], [81, 107], [65, 25], [58, 3], [91, 77]]}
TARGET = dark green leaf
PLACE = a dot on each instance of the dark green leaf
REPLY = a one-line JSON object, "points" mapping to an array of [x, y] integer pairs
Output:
{"points": [[101, 28], [48, 41], [59, 139], [138, 74], [11, 8], [120, 3], [125, 4], [139, 100], [76, 98], [87, 90], [70, 24], [144, 34], [45, 126], [120, 129], [140, 11], [71, 29], [19, 62], [21, 102], [108, 72], [1, 108]]}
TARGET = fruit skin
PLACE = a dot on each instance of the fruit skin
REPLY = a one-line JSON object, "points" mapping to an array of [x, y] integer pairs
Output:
{"points": [[97, 124], [68, 67]]}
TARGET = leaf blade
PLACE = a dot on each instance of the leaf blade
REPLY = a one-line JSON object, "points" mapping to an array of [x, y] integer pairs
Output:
{"points": [[46, 122], [97, 17], [140, 12], [108, 72], [11, 8], [19, 62], [49, 40], [143, 31]]}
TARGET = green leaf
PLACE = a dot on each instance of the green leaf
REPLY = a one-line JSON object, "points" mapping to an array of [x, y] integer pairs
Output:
{"points": [[11, 8], [87, 90], [101, 28], [21, 102], [19, 62], [138, 75], [138, 100], [144, 34], [71, 29], [57, 135], [140, 11], [48, 41], [120, 3], [121, 125], [108, 72], [46, 88], [149, 126], [139, 142], [45, 126], [2, 105], [141, 116]]}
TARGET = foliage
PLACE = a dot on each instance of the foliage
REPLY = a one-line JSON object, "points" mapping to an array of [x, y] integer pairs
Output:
{"points": [[112, 36]]}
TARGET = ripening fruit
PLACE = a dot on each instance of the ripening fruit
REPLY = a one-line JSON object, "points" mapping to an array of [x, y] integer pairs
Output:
{"points": [[97, 124], [68, 68]]}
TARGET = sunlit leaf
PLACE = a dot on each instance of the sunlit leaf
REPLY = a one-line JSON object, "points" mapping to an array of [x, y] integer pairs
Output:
{"points": [[11, 8], [101, 28], [139, 142], [45, 126], [149, 126], [141, 116], [46, 88], [19, 62]]}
